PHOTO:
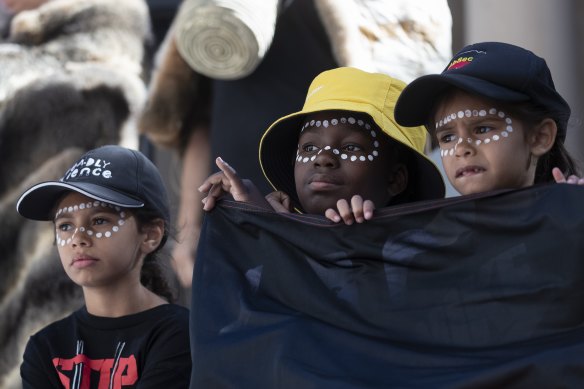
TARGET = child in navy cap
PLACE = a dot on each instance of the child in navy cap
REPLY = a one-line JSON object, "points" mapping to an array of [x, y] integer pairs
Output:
{"points": [[111, 217], [497, 118]]}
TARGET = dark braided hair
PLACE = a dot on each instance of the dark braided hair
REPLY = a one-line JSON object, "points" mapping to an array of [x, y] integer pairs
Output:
{"points": [[531, 115], [152, 274]]}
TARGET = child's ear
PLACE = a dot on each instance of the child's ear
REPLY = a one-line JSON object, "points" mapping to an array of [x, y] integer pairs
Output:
{"points": [[542, 137], [398, 181], [154, 234]]}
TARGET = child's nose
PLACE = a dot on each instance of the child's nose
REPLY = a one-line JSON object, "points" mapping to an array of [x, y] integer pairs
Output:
{"points": [[465, 147], [81, 237], [327, 156]]}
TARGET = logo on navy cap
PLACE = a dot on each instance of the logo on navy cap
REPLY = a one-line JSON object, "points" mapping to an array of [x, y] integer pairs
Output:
{"points": [[464, 58], [89, 167]]}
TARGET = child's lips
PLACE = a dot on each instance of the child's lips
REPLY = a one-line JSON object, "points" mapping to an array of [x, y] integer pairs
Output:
{"points": [[83, 261], [468, 171], [323, 182]]}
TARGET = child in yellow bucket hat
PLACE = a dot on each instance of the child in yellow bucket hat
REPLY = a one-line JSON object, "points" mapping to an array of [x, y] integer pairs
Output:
{"points": [[341, 150]]}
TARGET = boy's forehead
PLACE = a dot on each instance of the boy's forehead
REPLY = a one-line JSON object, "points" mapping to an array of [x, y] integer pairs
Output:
{"points": [[320, 120], [341, 123], [339, 130]]}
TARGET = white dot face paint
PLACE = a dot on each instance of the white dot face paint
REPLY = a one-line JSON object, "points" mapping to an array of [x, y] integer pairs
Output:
{"points": [[305, 156], [480, 135], [67, 231]]}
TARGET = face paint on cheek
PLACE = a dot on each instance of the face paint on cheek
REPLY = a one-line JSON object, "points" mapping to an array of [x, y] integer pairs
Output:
{"points": [[449, 151], [65, 237], [305, 157]]}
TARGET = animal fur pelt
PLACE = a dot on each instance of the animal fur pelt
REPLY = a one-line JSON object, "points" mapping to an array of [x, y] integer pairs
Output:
{"points": [[72, 78], [64, 116], [84, 43], [402, 38]]}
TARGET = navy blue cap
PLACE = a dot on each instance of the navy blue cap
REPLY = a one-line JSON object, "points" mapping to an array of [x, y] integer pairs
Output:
{"points": [[495, 70], [113, 174]]}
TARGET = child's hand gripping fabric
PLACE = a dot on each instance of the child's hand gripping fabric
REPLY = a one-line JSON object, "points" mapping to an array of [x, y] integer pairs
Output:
{"points": [[279, 201], [358, 210], [571, 179], [227, 181]]}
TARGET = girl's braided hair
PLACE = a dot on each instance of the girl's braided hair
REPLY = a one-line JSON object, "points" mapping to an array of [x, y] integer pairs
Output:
{"points": [[152, 274], [531, 115]]}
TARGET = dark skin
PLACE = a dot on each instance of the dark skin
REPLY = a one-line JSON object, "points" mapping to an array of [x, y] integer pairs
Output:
{"points": [[328, 184], [322, 182]]}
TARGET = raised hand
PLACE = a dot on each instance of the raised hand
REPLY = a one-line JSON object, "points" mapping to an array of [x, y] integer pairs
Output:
{"points": [[228, 182]]}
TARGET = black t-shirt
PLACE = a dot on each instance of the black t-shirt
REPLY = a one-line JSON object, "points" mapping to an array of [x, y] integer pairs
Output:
{"points": [[149, 349], [243, 109]]}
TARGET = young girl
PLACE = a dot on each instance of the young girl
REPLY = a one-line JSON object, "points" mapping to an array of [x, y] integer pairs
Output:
{"points": [[111, 217], [342, 155], [497, 118]]}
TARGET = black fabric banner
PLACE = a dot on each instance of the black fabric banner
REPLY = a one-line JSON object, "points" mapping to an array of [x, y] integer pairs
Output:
{"points": [[469, 292]]}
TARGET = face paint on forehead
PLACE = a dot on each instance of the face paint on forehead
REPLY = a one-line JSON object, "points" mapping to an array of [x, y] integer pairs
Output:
{"points": [[449, 149], [301, 156], [65, 238]]}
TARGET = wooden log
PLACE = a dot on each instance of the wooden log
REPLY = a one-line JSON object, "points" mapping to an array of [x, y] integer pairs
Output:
{"points": [[225, 39]]}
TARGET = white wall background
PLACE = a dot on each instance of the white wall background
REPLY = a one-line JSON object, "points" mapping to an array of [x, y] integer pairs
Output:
{"points": [[549, 28]]}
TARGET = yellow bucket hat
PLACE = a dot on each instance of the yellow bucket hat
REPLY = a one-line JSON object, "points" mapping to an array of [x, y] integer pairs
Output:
{"points": [[348, 89]]}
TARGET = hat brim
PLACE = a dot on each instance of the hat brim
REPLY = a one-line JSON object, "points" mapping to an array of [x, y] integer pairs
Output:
{"points": [[417, 100], [277, 154], [38, 202]]}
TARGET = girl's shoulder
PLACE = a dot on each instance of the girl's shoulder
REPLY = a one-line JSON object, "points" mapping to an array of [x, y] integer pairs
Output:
{"points": [[169, 311]]}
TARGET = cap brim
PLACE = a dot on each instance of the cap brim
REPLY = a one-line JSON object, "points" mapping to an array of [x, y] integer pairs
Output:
{"points": [[38, 202], [417, 100]]}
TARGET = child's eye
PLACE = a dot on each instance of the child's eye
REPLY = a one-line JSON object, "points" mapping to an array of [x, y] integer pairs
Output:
{"points": [[64, 227], [446, 138], [309, 148], [483, 129], [98, 221], [352, 148]]}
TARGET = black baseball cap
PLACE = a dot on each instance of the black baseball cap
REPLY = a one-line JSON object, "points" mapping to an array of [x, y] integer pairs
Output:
{"points": [[495, 70], [112, 174]]}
